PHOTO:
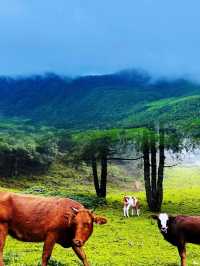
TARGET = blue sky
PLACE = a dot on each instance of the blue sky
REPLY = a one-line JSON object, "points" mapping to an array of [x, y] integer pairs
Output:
{"points": [[76, 37]]}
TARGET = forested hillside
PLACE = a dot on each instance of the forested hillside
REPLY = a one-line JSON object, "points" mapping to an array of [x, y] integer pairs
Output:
{"points": [[126, 98]]}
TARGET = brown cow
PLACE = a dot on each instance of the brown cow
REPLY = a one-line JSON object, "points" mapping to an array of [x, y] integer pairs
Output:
{"points": [[50, 220], [179, 230]]}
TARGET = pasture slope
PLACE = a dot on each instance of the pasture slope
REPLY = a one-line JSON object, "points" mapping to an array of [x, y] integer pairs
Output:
{"points": [[129, 242]]}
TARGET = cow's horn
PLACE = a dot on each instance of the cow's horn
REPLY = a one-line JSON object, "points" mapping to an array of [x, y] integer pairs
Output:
{"points": [[74, 209]]}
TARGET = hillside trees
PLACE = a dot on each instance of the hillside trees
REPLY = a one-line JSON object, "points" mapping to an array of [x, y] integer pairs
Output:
{"points": [[96, 148], [26, 155]]}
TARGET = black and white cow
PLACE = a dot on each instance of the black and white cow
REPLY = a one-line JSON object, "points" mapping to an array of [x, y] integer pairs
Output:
{"points": [[179, 230]]}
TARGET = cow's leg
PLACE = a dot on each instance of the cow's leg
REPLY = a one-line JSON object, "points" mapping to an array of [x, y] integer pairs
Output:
{"points": [[48, 247], [81, 254], [182, 253], [3, 234], [138, 212], [132, 210], [124, 211], [127, 210]]}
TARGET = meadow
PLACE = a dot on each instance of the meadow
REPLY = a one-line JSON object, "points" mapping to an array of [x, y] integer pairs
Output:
{"points": [[122, 241]]}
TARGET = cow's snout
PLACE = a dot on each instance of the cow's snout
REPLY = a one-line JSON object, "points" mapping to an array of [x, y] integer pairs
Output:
{"points": [[77, 242], [164, 229]]}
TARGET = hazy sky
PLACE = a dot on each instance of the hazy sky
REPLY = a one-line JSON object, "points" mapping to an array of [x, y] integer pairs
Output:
{"points": [[77, 37]]}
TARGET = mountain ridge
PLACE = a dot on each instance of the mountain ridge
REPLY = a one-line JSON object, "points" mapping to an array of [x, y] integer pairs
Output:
{"points": [[101, 101]]}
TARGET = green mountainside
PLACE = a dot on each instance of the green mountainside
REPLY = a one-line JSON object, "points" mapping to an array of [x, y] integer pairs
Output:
{"points": [[127, 98], [176, 109]]}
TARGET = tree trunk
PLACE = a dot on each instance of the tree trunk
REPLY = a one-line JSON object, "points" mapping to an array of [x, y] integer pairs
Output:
{"points": [[160, 169], [100, 186], [15, 166], [12, 164], [95, 176], [153, 172], [147, 169], [103, 186]]}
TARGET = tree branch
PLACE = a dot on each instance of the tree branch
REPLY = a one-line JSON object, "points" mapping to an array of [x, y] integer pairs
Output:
{"points": [[125, 159], [173, 165]]}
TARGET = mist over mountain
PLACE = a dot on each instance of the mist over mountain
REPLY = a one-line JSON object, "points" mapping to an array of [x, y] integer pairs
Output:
{"points": [[125, 98]]}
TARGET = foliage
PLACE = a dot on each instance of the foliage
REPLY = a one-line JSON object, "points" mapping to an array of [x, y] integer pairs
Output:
{"points": [[24, 150]]}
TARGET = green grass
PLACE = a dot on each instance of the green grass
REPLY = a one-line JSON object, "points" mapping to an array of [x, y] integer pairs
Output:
{"points": [[133, 241]]}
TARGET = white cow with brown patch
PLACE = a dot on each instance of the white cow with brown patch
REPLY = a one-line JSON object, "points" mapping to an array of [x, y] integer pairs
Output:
{"points": [[132, 203]]}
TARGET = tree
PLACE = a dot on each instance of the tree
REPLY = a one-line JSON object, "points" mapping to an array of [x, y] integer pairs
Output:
{"points": [[21, 156], [95, 149], [154, 167], [156, 140], [151, 143]]}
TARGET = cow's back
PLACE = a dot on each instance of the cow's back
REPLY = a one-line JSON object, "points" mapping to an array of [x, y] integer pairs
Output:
{"points": [[189, 226], [31, 217]]}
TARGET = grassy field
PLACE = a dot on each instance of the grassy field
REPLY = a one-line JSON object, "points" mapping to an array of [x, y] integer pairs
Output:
{"points": [[133, 241]]}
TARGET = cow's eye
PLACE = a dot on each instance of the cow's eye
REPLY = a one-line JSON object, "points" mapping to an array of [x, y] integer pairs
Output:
{"points": [[85, 225]]}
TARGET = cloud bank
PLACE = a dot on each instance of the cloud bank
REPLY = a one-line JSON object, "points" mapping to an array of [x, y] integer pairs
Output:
{"points": [[78, 37]]}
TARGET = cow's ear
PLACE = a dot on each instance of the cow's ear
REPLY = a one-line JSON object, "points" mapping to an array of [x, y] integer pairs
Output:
{"points": [[75, 211], [154, 216], [99, 219]]}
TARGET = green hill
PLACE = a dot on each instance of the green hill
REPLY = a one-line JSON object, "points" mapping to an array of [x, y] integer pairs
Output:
{"points": [[127, 98], [180, 110]]}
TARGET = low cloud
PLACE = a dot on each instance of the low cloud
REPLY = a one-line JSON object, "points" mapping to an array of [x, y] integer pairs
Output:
{"points": [[76, 38]]}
